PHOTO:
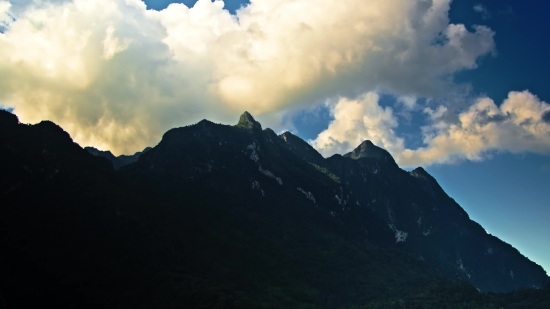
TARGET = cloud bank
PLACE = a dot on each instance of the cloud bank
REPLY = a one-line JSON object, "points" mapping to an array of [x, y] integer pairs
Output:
{"points": [[117, 76], [520, 124]]}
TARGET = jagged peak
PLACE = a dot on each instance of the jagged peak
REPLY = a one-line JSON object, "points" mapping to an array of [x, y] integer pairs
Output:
{"points": [[288, 135], [420, 171], [247, 121], [293, 140], [301, 148], [366, 143], [270, 134], [368, 150]]}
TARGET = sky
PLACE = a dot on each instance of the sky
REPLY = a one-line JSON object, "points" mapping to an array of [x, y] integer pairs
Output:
{"points": [[459, 87]]}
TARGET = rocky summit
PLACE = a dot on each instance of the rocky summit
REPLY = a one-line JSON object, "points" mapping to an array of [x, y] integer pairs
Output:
{"points": [[220, 216]]}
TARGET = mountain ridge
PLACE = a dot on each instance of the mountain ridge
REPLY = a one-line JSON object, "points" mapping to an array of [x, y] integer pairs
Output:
{"points": [[117, 162], [230, 217], [343, 178]]}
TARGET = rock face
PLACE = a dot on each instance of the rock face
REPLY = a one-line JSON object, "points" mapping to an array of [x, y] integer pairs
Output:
{"points": [[364, 190], [247, 121]]}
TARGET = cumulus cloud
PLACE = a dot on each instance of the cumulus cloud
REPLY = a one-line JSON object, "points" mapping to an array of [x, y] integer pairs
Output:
{"points": [[520, 124], [356, 121], [117, 76]]}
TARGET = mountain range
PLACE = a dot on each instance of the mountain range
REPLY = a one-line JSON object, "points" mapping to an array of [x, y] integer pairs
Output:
{"points": [[220, 216]]}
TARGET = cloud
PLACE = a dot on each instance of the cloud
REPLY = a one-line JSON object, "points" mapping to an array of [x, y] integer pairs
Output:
{"points": [[515, 126], [409, 102], [117, 76], [481, 9], [518, 125], [5, 18], [356, 121]]}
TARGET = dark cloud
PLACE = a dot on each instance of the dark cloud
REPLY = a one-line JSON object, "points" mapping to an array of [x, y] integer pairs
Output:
{"points": [[498, 118], [546, 116], [484, 118], [527, 122]]}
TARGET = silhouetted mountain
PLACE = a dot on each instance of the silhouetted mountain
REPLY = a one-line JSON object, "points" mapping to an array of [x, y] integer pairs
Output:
{"points": [[364, 190], [119, 161], [222, 216]]}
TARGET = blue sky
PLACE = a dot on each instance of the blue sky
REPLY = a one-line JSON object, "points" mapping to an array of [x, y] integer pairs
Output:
{"points": [[231, 5], [506, 193], [459, 87]]}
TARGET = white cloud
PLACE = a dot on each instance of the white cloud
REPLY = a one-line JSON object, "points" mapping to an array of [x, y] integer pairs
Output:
{"points": [[112, 45], [117, 76], [436, 114], [409, 102], [4, 17], [515, 126], [356, 121], [481, 9], [518, 125]]}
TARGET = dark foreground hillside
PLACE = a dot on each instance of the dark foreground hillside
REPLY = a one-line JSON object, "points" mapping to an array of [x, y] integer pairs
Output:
{"points": [[161, 234]]}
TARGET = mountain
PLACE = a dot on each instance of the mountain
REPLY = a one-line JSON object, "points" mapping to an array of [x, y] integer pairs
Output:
{"points": [[363, 190], [119, 161], [219, 216]]}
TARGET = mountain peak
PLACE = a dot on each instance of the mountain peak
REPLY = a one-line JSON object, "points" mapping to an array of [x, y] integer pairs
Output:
{"points": [[287, 135], [367, 143], [247, 121], [420, 171], [302, 148], [368, 150]]}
